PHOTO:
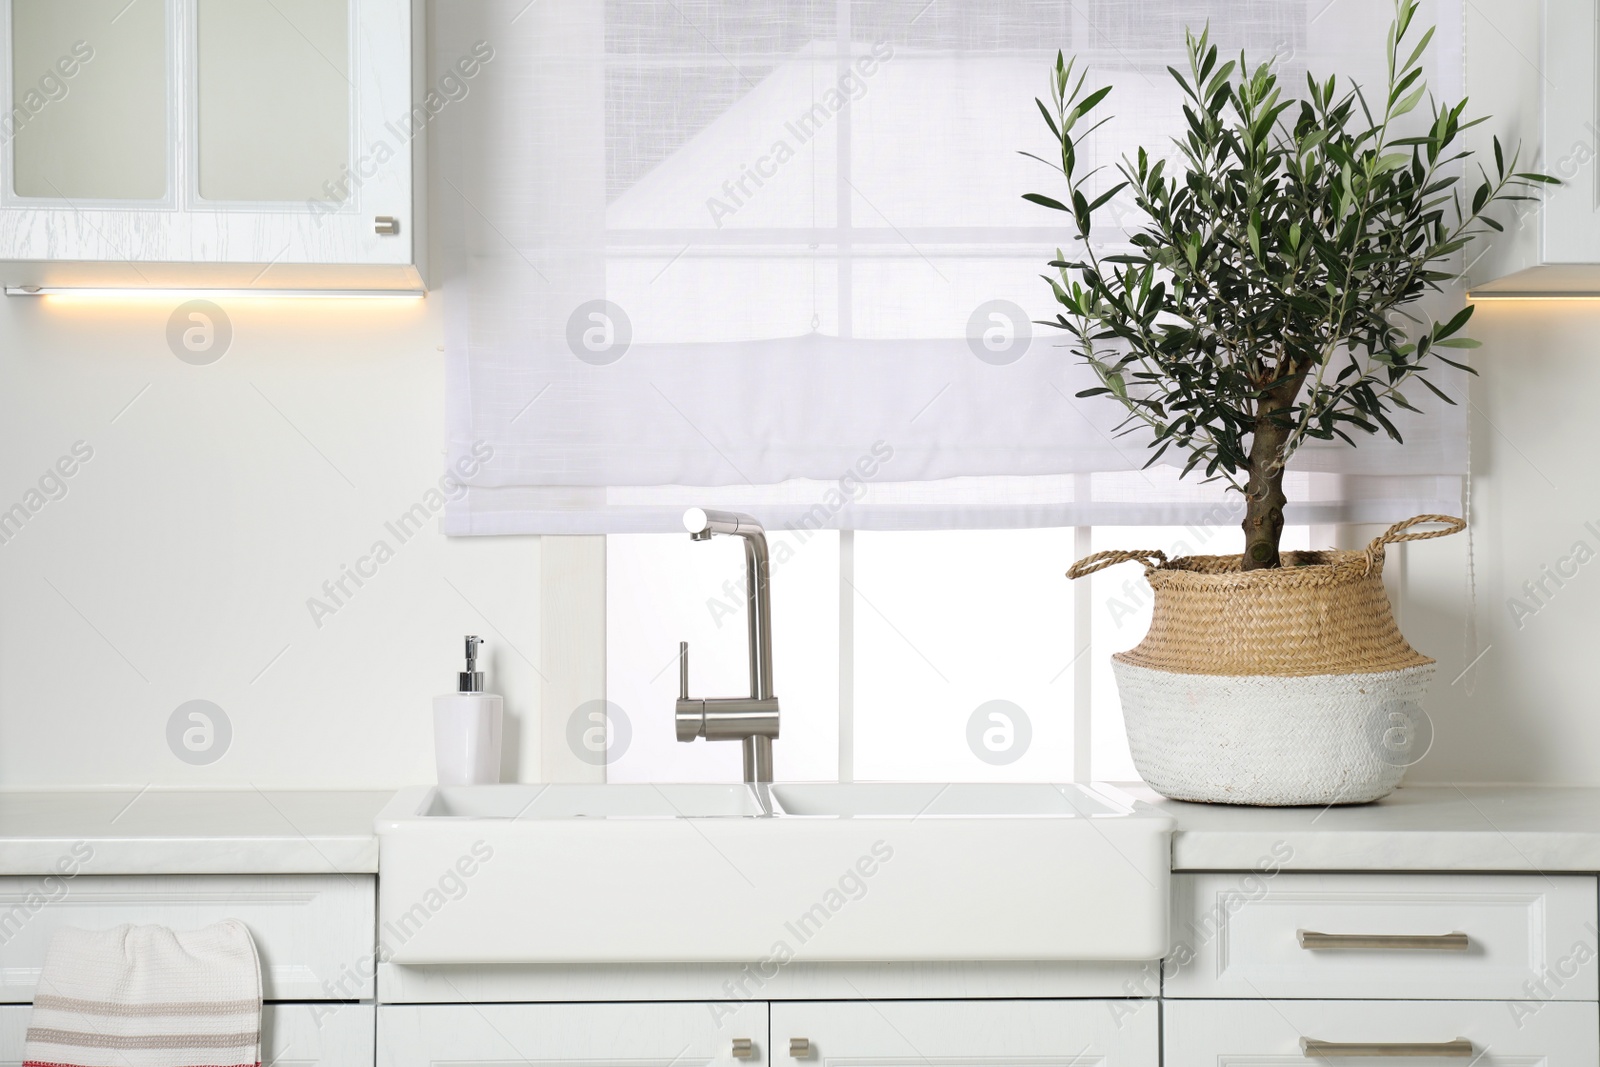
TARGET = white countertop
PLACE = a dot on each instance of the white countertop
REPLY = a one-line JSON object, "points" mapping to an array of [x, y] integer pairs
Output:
{"points": [[191, 832], [1421, 828]]}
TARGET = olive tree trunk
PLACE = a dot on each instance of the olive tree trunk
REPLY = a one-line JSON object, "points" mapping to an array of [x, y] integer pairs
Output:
{"points": [[1264, 499]]}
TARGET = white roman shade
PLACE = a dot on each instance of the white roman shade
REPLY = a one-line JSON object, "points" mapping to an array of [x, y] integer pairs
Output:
{"points": [[774, 255]]}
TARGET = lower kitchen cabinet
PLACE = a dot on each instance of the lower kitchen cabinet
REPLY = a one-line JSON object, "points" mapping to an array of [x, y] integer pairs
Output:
{"points": [[641, 1035], [292, 1035], [1205, 1033], [973, 1033], [312, 931], [1110, 1033], [1239, 935]]}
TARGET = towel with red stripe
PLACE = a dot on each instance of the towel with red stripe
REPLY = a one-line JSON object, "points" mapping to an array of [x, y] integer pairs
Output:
{"points": [[146, 996]]}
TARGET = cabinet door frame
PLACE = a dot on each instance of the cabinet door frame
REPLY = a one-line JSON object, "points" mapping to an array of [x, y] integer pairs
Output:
{"points": [[385, 64]]}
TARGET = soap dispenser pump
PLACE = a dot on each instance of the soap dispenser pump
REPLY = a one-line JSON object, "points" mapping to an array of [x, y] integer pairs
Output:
{"points": [[466, 727]]}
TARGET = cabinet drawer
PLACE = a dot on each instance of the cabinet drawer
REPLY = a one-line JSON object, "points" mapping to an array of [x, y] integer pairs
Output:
{"points": [[1499, 1033], [640, 1035], [913, 1033], [1528, 937], [292, 1035], [314, 933]]}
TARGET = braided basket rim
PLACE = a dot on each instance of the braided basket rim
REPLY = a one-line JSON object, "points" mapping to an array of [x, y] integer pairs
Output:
{"points": [[1318, 567]]}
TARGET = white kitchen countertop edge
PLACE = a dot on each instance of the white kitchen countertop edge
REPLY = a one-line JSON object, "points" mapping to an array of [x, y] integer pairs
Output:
{"points": [[1419, 828], [190, 831], [1510, 828]]}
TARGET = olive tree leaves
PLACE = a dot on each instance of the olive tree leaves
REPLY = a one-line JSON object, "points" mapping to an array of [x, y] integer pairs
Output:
{"points": [[1273, 276]]}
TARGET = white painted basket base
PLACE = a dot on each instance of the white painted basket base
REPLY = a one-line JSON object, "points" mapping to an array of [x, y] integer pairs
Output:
{"points": [[1270, 741]]}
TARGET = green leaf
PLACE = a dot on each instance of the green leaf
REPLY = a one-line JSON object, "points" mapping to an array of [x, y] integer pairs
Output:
{"points": [[1480, 198], [1086, 105], [1458, 320], [1183, 82], [1416, 53], [1100, 200], [1049, 119], [1045, 201], [1434, 389]]}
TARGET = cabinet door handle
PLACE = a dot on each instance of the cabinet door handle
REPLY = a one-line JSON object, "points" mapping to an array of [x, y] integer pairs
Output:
{"points": [[1312, 1049], [1456, 942], [743, 1048], [799, 1047], [385, 225]]}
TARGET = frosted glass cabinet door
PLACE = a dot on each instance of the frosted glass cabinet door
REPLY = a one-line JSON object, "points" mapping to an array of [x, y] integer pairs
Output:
{"points": [[639, 1035], [972, 1033], [274, 98], [89, 99]]}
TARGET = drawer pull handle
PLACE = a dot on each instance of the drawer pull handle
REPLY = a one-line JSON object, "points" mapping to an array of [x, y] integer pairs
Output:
{"points": [[1313, 1049], [800, 1047], [743, 1048], [1456, 942]]}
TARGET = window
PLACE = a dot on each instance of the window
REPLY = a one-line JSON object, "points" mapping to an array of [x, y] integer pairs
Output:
{"points": [[916, 656]]}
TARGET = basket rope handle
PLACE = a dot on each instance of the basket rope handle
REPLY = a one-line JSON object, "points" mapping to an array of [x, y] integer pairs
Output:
{"points": [[1399, 533], [1099, 561]]}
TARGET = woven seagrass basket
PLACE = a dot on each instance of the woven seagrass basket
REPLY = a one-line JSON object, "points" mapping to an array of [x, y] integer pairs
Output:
{"points": [[1285, 686]]}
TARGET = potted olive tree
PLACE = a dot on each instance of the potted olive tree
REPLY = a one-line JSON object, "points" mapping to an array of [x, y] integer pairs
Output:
{"points": [[1271, 296]]}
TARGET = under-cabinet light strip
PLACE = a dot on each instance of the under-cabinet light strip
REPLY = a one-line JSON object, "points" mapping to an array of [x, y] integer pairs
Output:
{"points": [[1530, 295], [214, 294]]}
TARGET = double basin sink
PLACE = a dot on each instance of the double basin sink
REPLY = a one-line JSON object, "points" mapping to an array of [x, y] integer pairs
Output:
{"points": [[907, 872]]}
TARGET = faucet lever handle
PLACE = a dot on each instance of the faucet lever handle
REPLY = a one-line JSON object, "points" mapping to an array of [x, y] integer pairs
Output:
{"points": [[683, 670]]}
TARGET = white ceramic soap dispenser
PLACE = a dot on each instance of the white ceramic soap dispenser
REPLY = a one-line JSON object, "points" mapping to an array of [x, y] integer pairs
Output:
{"points": [[466, 728]]}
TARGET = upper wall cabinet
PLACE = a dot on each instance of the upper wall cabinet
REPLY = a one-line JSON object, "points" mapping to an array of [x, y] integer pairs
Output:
{"points": [[1538, 80], [212, 143]]}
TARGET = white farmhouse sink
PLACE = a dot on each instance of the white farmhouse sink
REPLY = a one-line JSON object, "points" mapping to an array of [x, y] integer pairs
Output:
{"points": [[741, 874]]}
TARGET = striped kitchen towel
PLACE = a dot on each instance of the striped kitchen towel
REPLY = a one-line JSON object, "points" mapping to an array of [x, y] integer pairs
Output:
{"points": [[145, 996]]}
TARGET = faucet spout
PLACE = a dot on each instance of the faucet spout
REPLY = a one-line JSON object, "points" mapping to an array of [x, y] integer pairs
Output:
{"points": [[753, 720]]}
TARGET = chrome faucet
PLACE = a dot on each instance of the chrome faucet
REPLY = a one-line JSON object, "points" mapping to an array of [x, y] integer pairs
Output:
{"points": [[752, 719]]}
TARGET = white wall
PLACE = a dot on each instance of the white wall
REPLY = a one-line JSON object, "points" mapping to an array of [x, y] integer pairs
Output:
{"points": [[1527, 711], [1530, 710], [179, 563]]}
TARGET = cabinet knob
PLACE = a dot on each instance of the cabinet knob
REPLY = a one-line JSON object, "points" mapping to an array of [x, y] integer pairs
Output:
{"points": [[743, 1048], [385, 225], [800, 1047]]}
